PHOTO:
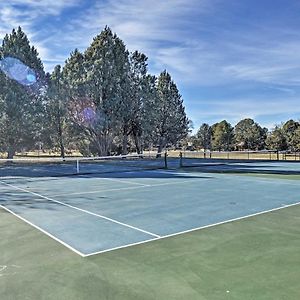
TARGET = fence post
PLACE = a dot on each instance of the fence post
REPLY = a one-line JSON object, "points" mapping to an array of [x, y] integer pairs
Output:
{"points": [[180, 159], [166, 161]]}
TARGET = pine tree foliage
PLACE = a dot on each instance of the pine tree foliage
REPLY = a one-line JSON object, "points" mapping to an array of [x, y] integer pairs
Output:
{"points": [[276, 139], [203, 136], [139, 98], [249, 135], [56, 117], [171, 122], [102, 101], [222, 136], [21, 107], [105, 81], [73, 74], [290, 128]]}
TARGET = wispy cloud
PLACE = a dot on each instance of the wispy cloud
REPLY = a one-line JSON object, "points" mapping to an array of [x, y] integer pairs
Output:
{"points": [[186, 37], [28, 14]]}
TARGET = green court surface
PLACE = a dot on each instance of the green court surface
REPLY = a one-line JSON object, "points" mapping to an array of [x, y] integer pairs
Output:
{"points": [[254, 258]]}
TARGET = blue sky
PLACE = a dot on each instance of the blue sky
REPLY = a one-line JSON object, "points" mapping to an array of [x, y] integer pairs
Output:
{"points": [[231, 59]]}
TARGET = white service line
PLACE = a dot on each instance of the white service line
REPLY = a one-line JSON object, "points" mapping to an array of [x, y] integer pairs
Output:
{"points": [[99, 191], [119, 180], [129, 188], [186, 174], [82, 210], [43, 231], [195, 229]]}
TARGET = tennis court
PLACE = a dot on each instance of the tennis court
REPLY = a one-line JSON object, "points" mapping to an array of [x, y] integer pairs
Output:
{"points": [[95, 212]]}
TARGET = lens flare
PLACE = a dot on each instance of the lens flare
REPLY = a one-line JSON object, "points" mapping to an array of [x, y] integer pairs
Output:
{"points": [[31, 78], [83, 111], [89, 114], [18, 71]]}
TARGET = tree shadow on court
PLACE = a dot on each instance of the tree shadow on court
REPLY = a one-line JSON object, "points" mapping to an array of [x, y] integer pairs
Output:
{"points": [[13, 199]]}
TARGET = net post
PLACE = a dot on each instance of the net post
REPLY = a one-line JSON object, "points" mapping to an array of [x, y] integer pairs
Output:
{"points": [[77, 166]]}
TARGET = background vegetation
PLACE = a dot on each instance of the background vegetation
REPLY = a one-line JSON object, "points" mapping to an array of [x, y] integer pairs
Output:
{"points": [[103, 101]]}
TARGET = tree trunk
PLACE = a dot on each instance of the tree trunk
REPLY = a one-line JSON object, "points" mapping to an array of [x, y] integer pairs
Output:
{"points": [[137, 143], [60, 134], [160, 147], [62, 148], [11, 152], [124, 144], [61, 144]]}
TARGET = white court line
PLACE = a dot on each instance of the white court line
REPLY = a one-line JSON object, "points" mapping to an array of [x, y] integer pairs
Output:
{"points": [[186, 174], [195, 229], [98, 191], [117, 180], [43, 231], [128, 188], [82, 210]]}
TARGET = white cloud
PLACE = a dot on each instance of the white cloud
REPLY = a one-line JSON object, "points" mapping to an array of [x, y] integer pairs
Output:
{"points": [[26, 13], [39, 7], [170, 33]]}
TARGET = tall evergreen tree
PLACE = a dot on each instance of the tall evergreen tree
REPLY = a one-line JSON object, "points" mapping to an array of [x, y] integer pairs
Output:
{"points": [[147, 126], [74, 75], [289, 128], [222, 136], [139, 93], [276, 139], [172, 123], [106, 66], [132, 100], [82, 133], [21, 106], [57, 111], [204, 136], [249, 135], [296, 140]]}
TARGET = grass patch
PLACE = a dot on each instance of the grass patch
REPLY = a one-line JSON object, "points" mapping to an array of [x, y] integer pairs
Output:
{"points": [[256, 258]]}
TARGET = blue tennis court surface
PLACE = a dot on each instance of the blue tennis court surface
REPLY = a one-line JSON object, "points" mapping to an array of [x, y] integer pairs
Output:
{"points": [[97, 213]]}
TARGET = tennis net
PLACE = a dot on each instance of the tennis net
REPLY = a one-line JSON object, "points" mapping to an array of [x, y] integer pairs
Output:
{"points": [[48, 167]]}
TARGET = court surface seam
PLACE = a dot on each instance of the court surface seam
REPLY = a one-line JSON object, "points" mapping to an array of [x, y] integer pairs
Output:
{"points": [[83, 210]]}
